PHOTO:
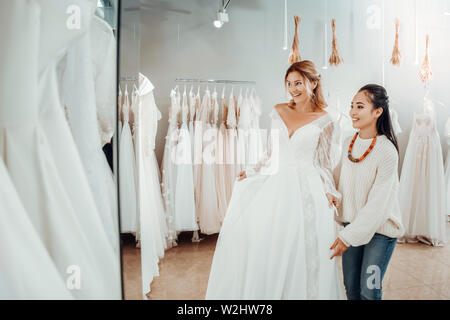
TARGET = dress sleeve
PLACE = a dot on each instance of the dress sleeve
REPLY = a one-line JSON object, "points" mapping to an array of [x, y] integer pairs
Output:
{"points": [[376, 210], [105, 88], [327, 157]]}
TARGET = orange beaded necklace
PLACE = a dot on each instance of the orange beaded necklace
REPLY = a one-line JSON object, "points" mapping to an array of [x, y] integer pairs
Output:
{"points": [[350, 157]]}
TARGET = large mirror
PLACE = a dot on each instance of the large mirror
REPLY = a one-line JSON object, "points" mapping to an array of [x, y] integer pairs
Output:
{"points": [[254, 146], [58, 203]]}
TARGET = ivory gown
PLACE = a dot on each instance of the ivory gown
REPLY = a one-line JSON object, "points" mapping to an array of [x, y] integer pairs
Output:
{"points": [[127, 173], [422, 189], [276, 235], [169, 168], [185, 216], [222, 181], [26, 257], [232, 168], [207, 207]]}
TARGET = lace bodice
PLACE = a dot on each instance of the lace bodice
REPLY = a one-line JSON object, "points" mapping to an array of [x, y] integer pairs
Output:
{"points": [[312, 146], [424, 125], [192, 101], [174, 108], [231, 115], [184, 109]]}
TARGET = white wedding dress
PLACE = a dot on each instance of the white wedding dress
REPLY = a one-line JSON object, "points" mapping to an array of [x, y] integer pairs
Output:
{"points": [[127, 173], [82, 98], [447, 166], [422, 188], [276, 235], [26, 269], [185, 216], [169, 168]]}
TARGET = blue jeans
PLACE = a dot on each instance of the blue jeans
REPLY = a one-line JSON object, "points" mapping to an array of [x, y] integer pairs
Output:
{"points": [[364, 267]]}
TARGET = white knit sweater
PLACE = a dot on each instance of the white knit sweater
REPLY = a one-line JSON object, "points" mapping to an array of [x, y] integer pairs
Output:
{"points": [[369, 192]]}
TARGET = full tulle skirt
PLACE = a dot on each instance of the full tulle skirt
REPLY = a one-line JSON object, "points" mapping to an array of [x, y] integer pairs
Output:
{"points": [[275, 240]]}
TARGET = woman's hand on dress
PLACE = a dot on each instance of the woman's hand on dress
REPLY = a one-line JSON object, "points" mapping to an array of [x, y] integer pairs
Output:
{"points": [[242, 175], [332, 200], [339, 248]]}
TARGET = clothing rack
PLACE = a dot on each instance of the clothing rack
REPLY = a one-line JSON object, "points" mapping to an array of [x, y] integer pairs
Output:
{"points": [[128, 78], [214, 81]]}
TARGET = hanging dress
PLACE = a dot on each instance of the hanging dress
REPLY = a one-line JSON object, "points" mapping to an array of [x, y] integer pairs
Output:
{"points": [[36, 143], [127, 171], [192, 101], [221, 170], [197, 155], [231, 146], [208, 213], [26, 269], [153, 224], [243, 122], [133, 122], [185, 216], [255, 148], [447, 166], [422, 188], [79, 91], [168, 167]]}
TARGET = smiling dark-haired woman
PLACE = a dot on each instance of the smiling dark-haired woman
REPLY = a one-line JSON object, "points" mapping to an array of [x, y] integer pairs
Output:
{"points": [[367, 178]]}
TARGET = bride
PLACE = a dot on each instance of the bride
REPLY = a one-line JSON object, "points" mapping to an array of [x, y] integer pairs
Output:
{"points": [[276, 236]]}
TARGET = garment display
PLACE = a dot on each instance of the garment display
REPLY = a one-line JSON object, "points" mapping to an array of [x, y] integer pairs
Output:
{"points": [[296, 172], [127, 173], [169, 168], [103, 51], [184, 211], [81, 96], [447, 166], [231, 146], [221, 166], [28, 257], [152, 231], [207, 210], [208, 127], [37, 143], [422, 188]]}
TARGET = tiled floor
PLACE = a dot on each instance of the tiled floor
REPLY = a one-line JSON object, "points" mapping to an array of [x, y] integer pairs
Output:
{"points": [[416, 271]]}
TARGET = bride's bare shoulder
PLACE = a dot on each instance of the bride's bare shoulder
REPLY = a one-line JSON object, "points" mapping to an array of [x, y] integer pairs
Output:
{"points": [[280, 107]]}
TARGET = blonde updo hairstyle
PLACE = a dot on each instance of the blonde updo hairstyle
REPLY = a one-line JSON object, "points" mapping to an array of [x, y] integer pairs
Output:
{"points": [[309, 73]]}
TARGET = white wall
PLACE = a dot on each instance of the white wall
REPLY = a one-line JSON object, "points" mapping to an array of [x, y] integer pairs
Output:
{"points": [[178, 39]]}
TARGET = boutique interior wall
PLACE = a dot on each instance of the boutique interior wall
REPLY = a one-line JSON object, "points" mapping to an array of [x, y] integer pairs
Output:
{"points": [[178, 39]]}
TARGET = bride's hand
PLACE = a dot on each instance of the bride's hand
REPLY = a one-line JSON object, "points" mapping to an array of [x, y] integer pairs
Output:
{"points": [[242, 175], [332, 200]]}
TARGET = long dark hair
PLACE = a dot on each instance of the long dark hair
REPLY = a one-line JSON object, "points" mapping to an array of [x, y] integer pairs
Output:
{"points": [[379, 98]]}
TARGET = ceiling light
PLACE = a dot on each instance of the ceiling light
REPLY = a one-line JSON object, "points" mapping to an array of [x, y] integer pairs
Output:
{"points": [[222, 17]]}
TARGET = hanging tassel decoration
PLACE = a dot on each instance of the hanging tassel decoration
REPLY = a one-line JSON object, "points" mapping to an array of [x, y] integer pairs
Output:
{"points": [[396, 54], [294, 56], [425, 72], [335, 58]]}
